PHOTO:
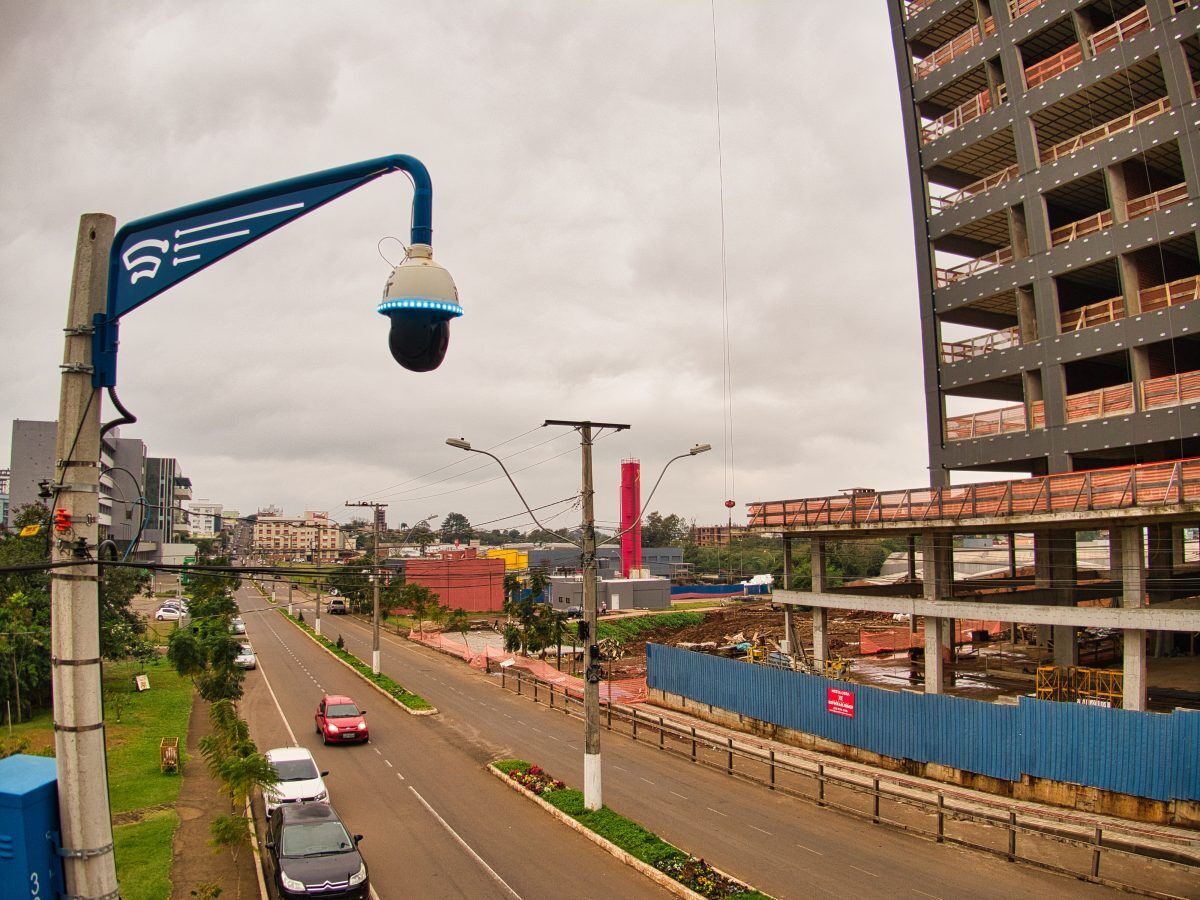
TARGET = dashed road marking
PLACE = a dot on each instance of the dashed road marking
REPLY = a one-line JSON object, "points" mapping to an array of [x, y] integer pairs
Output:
{"points": [[647, 780], [864, 871], [763, 830], [810, 850], [717, 811], [679, 795]]}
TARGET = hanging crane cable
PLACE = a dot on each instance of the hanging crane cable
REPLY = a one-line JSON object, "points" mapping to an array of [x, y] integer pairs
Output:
{"points": [[726, 357]]}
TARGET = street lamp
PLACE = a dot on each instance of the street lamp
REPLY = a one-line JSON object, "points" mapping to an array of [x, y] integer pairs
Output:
{"points": [[588, 632], [113, 275]]}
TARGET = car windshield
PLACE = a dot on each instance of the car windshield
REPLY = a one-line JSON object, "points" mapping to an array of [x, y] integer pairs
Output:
{"points": [[341, 710], [316, 839], [247, 650], [295, 769]]}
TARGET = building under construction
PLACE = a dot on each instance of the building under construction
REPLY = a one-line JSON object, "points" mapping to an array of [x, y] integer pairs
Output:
{"points": [[1054, 168]]}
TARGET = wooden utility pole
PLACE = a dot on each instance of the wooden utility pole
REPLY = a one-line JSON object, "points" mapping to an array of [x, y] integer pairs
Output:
{"points": [[374, 507], [87, 839]]}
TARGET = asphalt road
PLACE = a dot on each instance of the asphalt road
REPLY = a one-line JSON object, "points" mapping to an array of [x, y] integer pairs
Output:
{"points": [[781, 845], [436, 824]]}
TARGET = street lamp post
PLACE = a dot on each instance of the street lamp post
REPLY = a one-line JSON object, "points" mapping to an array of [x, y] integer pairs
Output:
{"points": [[593, 673], [115, 273], [374, 507]]}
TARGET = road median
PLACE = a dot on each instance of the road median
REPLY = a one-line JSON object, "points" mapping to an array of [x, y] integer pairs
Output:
{"points": [[673, 869], [411, 703]]}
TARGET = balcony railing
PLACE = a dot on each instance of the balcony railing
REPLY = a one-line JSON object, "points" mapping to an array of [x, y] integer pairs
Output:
{"points": [[1150, 299], [1020, 7], [1120, 30], [1149, 203], [965, 112], [1041, 72], [954, 48], [1097, 404], [1171, 390], [912, 7], [1100, 132], [986, 424], [1093, 314], [957, 351], [946, 277], [1149, 484], [939, 204], [1173, 293], [1090, 225]]}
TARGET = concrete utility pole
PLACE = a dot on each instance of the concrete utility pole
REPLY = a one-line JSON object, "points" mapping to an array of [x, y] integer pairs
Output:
{"points": [[374, 507], [87, 839], [592, 797]]}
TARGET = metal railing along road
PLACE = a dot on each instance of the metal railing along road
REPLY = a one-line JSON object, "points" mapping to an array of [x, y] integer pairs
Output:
{"points": [[1010, 830]]}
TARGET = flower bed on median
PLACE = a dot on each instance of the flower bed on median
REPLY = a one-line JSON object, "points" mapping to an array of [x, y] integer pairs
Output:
{"points": [[408, 698], [635, 840]]}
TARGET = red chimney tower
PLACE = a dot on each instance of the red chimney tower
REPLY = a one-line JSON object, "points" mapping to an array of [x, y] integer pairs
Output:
{"points": [[631, 505]]}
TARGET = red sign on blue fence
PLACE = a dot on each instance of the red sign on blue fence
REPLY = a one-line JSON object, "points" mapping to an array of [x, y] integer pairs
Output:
{"points": [[840, 702]]}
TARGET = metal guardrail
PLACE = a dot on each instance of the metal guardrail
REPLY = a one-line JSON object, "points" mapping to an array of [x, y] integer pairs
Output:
{"points": [[769, 767]]}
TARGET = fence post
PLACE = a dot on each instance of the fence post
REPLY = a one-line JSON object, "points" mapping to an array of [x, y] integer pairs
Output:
{"points": [[772, 752], [729, 759], [552, 695], [941, 818], [875, 804], [1012, 836], [520, 679], [820, 784], [610, 709], [1096, 855], [633, 712], [661, 733], [503, 676], [693, 743], [535, 685]]}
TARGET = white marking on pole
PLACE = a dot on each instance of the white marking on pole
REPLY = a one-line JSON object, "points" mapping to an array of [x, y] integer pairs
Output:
{"points": [[267, 682], [257, 215], [212, 240], [462, 843]]}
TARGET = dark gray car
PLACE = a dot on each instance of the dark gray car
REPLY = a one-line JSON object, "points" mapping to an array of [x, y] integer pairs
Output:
{"points": [[311, 853]]}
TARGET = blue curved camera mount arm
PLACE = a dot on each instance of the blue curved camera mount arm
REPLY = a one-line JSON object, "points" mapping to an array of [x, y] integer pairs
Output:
{"points": [[151, 254]]}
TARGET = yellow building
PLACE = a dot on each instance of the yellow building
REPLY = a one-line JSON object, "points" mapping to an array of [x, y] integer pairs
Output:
{"points": [[514, 560]]}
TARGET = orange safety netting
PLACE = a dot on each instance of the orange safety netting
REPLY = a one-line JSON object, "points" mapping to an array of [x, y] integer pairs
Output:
{"points": [[625, 690], [896, 639]]}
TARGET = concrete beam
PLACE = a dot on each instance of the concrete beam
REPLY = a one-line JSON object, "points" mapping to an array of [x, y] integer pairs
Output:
{"points": [[1146, 619]]}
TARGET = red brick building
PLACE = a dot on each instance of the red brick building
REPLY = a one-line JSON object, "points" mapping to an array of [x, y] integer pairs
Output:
{"points": [[461, 581]]}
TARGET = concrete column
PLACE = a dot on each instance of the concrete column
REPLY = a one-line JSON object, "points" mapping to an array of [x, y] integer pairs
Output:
{"points": [[1133, 594], [1054, 570], [820, 622], [820, 580], [787, 563], [937, 568], [912, 559], [788, 626], [935, 667]]}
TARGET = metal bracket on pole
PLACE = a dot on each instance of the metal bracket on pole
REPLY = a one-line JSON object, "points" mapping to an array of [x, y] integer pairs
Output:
{"points": [[79, 331], [77, 368], [85, 854]]}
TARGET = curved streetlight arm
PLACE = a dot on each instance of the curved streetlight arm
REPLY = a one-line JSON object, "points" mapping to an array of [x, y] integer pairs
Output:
{"points": [[465, 445], [698, 449], [151, 254]]}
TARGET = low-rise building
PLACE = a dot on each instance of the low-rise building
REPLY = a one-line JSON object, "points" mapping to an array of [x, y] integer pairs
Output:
{"points": [[313, 537]]}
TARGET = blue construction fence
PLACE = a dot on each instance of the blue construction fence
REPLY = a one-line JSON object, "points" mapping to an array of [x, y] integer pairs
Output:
{"points": [[1153, 755], [720, 590]]}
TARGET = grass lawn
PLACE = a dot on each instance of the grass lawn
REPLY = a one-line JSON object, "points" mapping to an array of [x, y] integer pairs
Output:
{"points": [[143, 852], [629, 629]]}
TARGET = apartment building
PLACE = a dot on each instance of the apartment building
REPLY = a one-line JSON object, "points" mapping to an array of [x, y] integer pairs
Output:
{"points": [[313, 537]]}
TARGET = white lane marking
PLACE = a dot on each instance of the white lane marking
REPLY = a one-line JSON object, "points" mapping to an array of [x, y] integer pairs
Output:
{"points": [[619, 769], [756, 828], [475, 856], [553, 738], [267, 682], [810, 850], [923, 894], [398, 775], [647, 780], [864, 871], [679, 795], [388, 763], [717, 811], [377, 752]]}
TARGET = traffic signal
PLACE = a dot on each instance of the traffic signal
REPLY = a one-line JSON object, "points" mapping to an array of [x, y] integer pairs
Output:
{"points": [[62, 520]]}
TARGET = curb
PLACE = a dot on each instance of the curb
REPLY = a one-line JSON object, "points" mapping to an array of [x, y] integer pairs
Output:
{"points": [[664, 880], [258, 863], [432, 711]]}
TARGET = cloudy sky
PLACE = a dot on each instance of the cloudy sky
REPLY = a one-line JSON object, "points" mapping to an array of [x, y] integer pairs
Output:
{"points": [[573, 150]]}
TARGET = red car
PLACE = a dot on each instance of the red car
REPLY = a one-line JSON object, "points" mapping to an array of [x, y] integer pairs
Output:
{"points": [[339, 720]]}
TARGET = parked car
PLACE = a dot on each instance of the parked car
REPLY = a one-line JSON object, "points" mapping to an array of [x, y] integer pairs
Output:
{"points": [[309, 851], [339, 720], [337, 607], [238, 625], [299, 778], [246, 658], [168, 614]]}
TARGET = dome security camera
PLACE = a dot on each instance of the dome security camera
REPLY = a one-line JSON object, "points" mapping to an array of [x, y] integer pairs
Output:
{"points": [[420, 298]]}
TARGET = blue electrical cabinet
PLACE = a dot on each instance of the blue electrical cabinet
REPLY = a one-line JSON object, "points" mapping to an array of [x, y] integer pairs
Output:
{"points": [[29, 828]]}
